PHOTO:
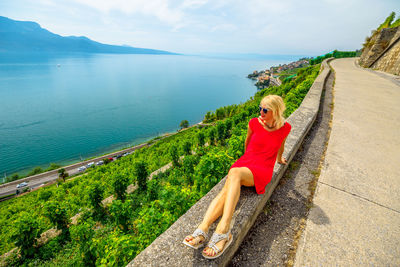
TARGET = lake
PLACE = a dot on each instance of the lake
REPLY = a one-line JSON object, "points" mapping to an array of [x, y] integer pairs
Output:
{"points": [[63, 107]]}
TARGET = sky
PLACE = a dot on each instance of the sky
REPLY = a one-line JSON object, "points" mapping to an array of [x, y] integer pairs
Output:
{"points": [[283, 27]]}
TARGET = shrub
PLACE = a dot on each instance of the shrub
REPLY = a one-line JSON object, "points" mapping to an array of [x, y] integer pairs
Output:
{"points": [[200, 138], [187, 148], [121, 213], [57, 215], [96, 195], [35, 171], [211, 135], [117, 249], [173, 153], [119, 184], [82, 234], [212, 167], [25, 234], [141, 172], [221, 132], [44, 195], [189, 162], [153, 188]]}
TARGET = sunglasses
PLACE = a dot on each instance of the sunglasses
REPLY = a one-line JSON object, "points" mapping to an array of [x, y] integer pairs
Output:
{"points": [[265, 110]]}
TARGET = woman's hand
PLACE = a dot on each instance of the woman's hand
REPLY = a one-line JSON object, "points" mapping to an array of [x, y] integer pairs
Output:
{"points": [[282, 161]]}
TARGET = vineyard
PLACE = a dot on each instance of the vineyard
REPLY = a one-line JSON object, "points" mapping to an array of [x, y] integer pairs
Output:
{"points": [[112, 234]]}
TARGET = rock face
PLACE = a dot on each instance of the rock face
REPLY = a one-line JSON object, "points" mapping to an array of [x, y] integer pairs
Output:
{"points": [[384, 51]]}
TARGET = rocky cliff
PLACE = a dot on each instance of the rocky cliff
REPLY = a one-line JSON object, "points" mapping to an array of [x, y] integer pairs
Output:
{"points": [[383, 51]]}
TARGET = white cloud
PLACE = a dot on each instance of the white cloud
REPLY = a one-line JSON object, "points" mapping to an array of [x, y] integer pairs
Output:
{"points": [[224, 27], [193, 3], [157, 8], [257, 26]]}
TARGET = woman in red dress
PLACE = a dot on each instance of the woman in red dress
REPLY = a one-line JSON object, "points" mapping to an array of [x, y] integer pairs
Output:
{"points": [[265, 141]]}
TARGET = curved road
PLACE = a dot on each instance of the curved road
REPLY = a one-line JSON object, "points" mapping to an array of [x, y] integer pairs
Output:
{"points": [[355, 216]]}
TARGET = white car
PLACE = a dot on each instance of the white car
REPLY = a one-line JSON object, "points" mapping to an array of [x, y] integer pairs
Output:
{"points": [[99, 163], [81, 169], [23, 184], [90, 164]]}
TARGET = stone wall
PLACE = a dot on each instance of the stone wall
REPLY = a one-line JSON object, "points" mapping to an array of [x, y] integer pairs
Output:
{"points": [[168, 250], [389, 61], [384, 54]]}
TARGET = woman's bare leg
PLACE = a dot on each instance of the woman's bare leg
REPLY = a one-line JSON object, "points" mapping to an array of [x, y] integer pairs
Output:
{"points": [[236, 178], [214, 211]]}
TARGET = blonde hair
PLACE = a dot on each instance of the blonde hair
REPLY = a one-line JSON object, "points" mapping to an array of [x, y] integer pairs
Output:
{"points": [[277, 106]]}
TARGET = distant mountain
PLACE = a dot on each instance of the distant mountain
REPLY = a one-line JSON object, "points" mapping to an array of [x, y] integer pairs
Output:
{"points": [[27, 36]]}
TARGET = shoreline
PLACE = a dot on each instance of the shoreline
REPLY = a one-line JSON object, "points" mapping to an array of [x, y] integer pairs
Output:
{"points": [[107, 152], [22, 159]]}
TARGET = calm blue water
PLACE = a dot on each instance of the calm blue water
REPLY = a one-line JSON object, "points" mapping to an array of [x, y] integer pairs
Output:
{"points": [[59, 108]]}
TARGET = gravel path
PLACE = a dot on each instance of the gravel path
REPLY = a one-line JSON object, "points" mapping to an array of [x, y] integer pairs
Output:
{"points": [[272, 239]]}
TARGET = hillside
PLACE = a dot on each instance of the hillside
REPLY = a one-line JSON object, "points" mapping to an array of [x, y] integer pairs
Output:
{"points": [[27, 36]]}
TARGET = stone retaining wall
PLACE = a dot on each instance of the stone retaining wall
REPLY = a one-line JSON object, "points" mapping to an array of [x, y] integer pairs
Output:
{"points": [[384, 54], [168, 250], [389, 61]]}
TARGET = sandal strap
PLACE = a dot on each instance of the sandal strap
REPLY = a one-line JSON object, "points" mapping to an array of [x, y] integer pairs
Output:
{"points": [[215, 238], [218, 237], [216, 250], [198, 232]]}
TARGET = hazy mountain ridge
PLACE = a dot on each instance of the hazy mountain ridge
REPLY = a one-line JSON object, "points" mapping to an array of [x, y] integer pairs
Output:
{"points": [[28, 36]]}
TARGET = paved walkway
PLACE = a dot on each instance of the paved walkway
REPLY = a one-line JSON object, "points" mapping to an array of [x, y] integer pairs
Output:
{"points": [[355, 220]]}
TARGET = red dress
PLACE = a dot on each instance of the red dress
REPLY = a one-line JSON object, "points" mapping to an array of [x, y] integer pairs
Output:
{"points": [[261, 153]]}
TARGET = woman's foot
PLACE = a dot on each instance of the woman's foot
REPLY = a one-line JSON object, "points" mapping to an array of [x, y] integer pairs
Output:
{"points": [[221, 242], [196, 239]]}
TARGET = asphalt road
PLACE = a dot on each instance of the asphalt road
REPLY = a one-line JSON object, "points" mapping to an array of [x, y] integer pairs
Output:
{"points": [[42, 179]]}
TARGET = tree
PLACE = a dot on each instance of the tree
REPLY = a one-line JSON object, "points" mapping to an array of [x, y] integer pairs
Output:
{"points": [[25, 234], [57, 215], [184, 124], [62, 174], [141, 173], [120, 184], [173, 152]]}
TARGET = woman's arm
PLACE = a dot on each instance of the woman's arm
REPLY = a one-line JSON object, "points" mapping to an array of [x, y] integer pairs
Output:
{"points": [[279, 158], [248, 137]]}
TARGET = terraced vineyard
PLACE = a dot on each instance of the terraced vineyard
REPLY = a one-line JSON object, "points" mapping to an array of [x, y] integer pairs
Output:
{"points": [[113, 234]]}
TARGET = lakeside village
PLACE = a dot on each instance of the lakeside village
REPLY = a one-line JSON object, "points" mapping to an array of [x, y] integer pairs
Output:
{"points": [[275, 75]]}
